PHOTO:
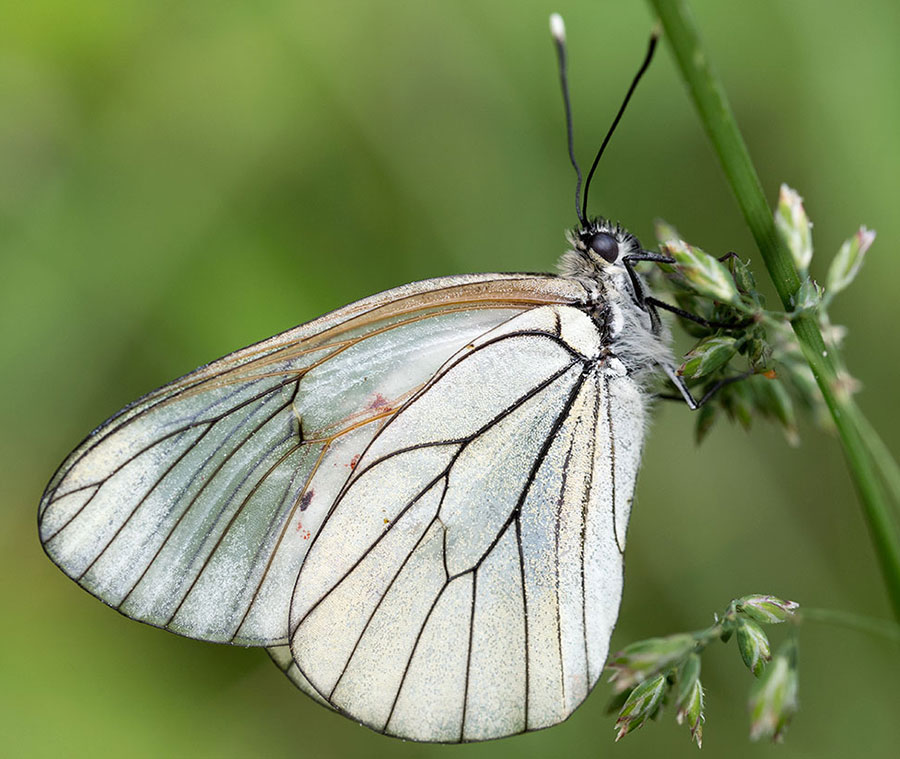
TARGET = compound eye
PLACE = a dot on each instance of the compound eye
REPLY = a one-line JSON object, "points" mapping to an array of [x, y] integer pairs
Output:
{"points": [[605, 246]]}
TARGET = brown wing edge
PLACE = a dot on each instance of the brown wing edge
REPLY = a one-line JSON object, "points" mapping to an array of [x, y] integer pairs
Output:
{"points": [[438, 294]]}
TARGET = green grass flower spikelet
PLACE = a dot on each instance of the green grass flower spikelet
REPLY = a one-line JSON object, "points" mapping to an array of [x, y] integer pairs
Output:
{"points": [[707, 276], [739, 336], [640, 660], [753, 645], [773, 700], [874, 471], [767, 610], [642, 704], [794, 227], [708, 356], [647, 673], [689, 701], [846, 264]]}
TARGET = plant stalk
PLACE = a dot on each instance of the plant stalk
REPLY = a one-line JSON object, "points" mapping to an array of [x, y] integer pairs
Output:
{"points": [[882, 628], [718, 120]]}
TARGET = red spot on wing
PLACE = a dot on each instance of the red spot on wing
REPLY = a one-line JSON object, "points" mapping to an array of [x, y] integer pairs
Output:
{"points": [[354, 461], [379, 402]]}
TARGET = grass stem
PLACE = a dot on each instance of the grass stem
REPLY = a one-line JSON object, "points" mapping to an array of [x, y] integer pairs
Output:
{"points": [[718, 120]]}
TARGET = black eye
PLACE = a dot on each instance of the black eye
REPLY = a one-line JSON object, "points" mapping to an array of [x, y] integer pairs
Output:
{"points": [[605, 246]]}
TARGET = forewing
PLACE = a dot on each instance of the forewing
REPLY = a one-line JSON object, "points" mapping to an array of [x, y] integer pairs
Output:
{"points": [[194, 508], [465, 585]]}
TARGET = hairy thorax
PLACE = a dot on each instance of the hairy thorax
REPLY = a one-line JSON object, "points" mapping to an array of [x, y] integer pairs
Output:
{"points": [[611, 301]]}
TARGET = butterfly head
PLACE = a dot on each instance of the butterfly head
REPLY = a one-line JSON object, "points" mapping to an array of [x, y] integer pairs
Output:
{"points": [[601, 244], [596, 252]]}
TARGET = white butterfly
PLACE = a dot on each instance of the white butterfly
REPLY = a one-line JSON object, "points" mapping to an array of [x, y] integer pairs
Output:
{"points": [[418, 503]]}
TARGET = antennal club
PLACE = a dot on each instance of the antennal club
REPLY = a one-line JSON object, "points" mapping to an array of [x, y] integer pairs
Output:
{"points": [[558, 30], [647, 58]]}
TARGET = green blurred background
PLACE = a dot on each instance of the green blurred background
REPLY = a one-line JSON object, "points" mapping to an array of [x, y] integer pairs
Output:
{"points": [[178, 180]]}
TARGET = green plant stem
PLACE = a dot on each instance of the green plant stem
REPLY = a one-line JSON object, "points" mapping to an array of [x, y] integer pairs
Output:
{"points": [[888, 466], [718, 120], [880, 627]]}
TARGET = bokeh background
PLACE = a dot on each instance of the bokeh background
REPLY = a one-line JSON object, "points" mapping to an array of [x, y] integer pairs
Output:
{"points": [[178, 180]]}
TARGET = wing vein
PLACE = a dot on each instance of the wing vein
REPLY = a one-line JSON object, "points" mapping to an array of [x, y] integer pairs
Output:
{"points": [[246, 499], [200, 491], [585, 505], [452, 363], [214, 525], [464, 442], [559, 507], [378, 605], [211, 422], [612, 462], [539, 460], [499, 416], [516, 513], [275, 525], [369, 549], [462, 726], [412, 653], [521, 557], [142, 500]]}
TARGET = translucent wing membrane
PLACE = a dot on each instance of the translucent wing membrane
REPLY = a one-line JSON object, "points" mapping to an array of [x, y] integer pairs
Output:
{"points": [[417, 503], [466, 582], [193, 509], [284, 660]]}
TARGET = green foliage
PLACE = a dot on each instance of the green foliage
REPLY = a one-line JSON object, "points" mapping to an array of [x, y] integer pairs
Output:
{"points": [[874, 475], [741, 338], [773, 699], [647, 673]]}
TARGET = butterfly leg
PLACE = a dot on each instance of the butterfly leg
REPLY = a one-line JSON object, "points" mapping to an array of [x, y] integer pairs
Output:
{"points": [[685, 392], [650, 300], [652, 305], [638, 286]]}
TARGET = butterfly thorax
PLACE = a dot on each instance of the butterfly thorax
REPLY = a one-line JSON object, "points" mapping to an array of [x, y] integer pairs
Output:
{"points": [[611, 301]]}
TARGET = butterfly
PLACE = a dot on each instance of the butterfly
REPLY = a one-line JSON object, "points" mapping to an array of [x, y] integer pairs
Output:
{"points": [[417, 503]]}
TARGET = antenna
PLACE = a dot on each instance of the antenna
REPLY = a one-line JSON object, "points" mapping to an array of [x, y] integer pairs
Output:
{"points": [[558, 30], [647, 58]]}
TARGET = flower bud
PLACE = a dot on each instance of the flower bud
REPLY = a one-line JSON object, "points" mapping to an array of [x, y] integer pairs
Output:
{"points": [[665, 232], [766, 609], [707, 356], [773, 700], [692, 713], [774, 400], [846, 263], [689, 703], [794, 227], [644, 658], [753, 645], [809, 296], [703, 272], [742, 275], [641, 705], [737, 398]]}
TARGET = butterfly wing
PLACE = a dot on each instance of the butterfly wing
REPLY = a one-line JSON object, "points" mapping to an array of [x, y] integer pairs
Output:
{"points": [[466, 581], [284, 660], [193, 508]]}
